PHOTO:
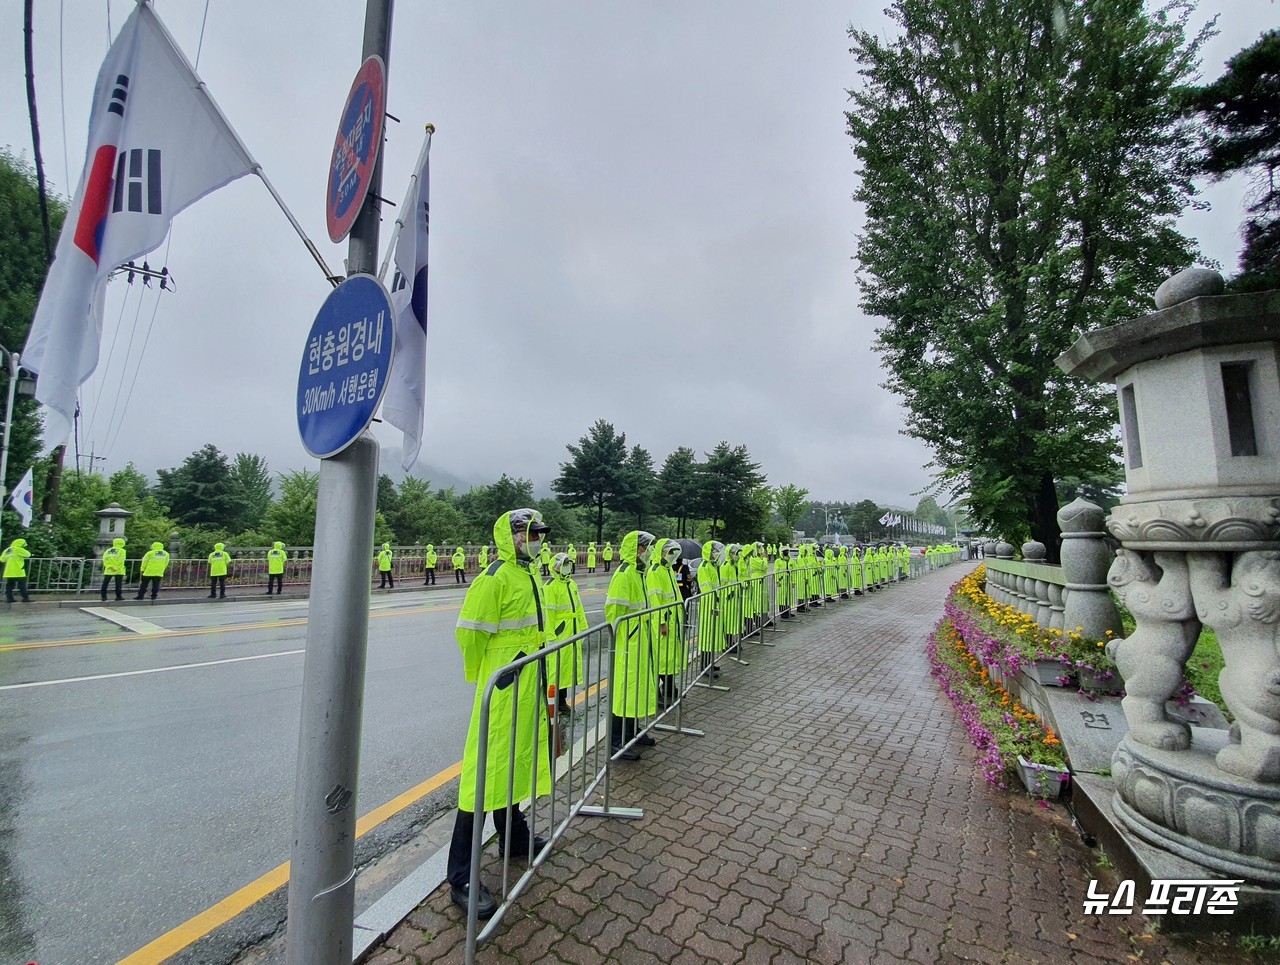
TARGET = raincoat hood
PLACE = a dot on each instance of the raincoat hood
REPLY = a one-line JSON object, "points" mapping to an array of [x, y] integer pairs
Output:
{"points": [[505, 541], [628, 549], [19, 542], [157, 547], [219, 547], [277, 545], [557, 563], [118, 543], [386, 546], [708, 550], [431, 547], [659, 553]]}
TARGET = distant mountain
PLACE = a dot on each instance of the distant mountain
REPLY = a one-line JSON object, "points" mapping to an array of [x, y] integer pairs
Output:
{"points": [[389, 464]]}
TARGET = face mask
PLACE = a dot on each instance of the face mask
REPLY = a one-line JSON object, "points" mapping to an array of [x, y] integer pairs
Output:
{"points": [[532, 548], [642, 554]]}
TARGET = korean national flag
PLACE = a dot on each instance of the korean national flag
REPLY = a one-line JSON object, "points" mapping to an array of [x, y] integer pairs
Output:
{"points": [[21, 499], [404, 404], [157, 143]]}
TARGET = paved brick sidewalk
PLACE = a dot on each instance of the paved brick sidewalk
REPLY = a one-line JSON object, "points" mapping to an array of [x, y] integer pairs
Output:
{"points": [[832, 813]]}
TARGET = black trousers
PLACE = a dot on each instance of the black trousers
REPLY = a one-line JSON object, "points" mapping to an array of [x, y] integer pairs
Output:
{"points": [[430, 578], [218, 586], [276, 580], [387, 578], [458, 870], [106, 580], [155, 586], [16, 582], [459, 577], [606, 566]]}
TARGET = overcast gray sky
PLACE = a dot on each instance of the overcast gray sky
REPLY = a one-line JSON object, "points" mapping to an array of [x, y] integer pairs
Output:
{"points": [[640, 212]]}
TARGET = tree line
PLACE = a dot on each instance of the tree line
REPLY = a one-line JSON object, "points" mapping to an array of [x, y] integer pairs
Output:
{"points": [[603, 490]]}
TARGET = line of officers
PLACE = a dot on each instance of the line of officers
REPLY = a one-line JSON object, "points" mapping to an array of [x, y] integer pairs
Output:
{"points": [[513, 610]]}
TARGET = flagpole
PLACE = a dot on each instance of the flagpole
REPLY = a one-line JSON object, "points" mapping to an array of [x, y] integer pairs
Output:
{"points": [[203, 92], [408, 201]]}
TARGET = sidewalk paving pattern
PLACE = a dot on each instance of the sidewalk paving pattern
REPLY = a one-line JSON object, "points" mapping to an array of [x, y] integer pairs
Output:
{"points": [[833, 813]]}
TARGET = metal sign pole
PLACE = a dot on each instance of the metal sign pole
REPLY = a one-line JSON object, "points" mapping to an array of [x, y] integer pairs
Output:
{"points": [[322, 859]]}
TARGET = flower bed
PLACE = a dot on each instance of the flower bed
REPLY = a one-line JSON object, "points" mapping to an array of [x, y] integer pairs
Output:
{"points": [[1000, 727], [1008, 638]]}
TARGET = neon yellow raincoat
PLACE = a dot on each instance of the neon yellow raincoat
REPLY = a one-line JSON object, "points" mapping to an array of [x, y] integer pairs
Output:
{"points": [[276, 557], [114, 558], [710, 628], [502, 619], [634, 686], [15, 559], [566, 618], [218, 560], [668, 624]]}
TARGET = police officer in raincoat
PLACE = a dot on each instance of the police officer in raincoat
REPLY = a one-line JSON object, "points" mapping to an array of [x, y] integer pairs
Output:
{"points": [[14, 557], [218, 561], [663, 588], [503, 619], [633, 685], [591, 557], [384, 568], [113, 561], [429, 560], [154, 562], [275, 567], [566, 617], [459, 565], [710, 627], [607, 555]]}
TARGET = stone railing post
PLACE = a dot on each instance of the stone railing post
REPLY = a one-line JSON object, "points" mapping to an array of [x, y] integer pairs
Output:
{"points": [[1085, 561], [1034, 552]]}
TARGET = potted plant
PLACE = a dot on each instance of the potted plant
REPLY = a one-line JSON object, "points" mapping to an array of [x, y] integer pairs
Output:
{"points": [[1043, 780]]}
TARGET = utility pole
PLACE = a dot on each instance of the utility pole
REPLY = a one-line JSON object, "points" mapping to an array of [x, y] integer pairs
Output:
{"points": [[322, 870]]}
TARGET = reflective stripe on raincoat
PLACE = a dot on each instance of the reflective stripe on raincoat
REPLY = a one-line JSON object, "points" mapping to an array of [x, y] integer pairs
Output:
{"points": [[502, 619]]}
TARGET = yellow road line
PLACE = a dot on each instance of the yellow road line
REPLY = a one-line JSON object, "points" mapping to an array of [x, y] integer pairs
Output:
{"points": [[200, 631], [190, 931]]}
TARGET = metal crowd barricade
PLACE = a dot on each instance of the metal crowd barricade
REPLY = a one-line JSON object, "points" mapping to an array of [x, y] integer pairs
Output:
{"points": [[55, 574]]}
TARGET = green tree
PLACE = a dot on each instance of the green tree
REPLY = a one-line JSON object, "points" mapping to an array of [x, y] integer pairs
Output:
{"points": [[251, 485], [292, 517], [1022, 170], [863, 519], [789, 502], [24, 262], [596, 475], [726, 484], [1242, 112], [200, 491], [678, 488], [640, 498], [482, 505], [128, 487]]}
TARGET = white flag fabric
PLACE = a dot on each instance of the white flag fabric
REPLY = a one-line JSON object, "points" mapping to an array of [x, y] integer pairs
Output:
{"points": [[404, 404], [884, 520], [22, 498], [157, 143]]}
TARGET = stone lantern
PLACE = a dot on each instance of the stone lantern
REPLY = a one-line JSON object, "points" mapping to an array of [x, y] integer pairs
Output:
{"points": [[1198, 386], [110, 527]]}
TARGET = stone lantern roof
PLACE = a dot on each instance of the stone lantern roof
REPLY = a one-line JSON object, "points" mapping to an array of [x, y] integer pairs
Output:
{"points": [[114, 511]]}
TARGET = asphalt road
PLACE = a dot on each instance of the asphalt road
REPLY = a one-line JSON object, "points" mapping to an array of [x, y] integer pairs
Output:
{"points": [[144, 777]]}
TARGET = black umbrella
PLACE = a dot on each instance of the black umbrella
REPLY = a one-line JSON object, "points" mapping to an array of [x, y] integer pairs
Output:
{"points": [[690, 549]]}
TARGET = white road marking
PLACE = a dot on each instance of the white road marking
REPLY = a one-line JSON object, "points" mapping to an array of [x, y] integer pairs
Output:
{"points": [[136, 624], [138, 673]]}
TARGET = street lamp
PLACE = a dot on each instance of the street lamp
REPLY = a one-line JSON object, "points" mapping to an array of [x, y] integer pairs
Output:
{"points": [[19, 386]]}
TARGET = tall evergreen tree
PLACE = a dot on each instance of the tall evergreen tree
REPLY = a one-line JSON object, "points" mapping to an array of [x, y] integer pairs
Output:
{"points": [[596, 475], [678, 488], [1023, 166], [726, 484], [251, 481], [201, 490], [1242, 111]]}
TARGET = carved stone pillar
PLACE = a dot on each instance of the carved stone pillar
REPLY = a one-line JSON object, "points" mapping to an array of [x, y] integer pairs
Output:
{"points": [[1199, 390]]}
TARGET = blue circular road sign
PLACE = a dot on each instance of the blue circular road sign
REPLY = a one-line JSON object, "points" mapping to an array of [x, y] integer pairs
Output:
{"points": [[345, 365]]}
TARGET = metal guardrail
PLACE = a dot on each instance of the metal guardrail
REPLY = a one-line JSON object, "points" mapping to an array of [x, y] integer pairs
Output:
{"points": [[648, 673]]}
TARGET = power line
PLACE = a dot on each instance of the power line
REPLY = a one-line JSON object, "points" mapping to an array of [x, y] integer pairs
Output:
{"points": [[111, 354], [138, 367], [128, 353]]}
